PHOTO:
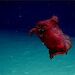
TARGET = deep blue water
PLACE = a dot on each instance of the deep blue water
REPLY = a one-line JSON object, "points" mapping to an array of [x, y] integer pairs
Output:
{"points": [[21, 54]]}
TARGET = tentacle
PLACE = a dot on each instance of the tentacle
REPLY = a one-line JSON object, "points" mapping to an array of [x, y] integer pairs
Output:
{"points": [[33, 30]]}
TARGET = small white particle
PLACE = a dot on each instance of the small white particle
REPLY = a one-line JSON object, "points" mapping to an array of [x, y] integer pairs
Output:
{"points": [[20, 16], [13, 71], [11, 56], [16, 30], [26, 72], [43, 43]]}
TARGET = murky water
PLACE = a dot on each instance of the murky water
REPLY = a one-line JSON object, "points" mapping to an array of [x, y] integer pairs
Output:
{"points": [[21, 54]]}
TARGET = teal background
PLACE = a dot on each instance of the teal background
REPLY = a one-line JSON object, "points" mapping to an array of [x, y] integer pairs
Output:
{"points": [[21, 54]]}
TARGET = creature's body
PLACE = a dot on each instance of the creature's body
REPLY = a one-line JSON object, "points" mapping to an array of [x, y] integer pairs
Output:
{"points": [[52, 36]]}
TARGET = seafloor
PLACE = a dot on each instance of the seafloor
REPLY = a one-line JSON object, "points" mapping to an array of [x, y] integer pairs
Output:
{"points": [[21, 54]]}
